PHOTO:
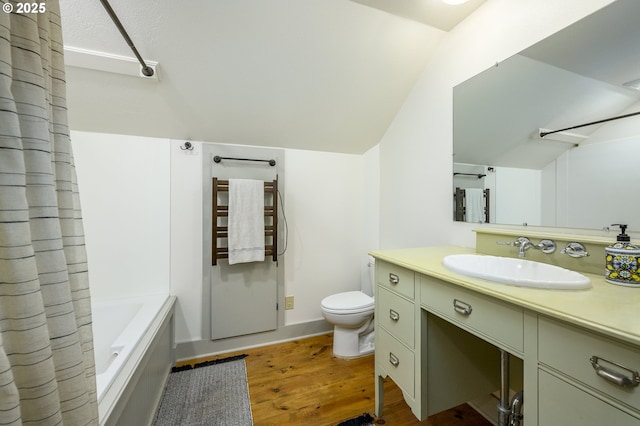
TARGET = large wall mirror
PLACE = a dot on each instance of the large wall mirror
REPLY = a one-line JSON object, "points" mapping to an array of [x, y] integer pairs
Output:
{"points": [[587, 177]]}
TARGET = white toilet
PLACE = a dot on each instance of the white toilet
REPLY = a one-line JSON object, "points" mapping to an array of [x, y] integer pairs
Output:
{"points": [[351, 313]]}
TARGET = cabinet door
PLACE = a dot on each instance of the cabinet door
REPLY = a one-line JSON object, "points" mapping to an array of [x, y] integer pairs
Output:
{"points": [[562, 404]]}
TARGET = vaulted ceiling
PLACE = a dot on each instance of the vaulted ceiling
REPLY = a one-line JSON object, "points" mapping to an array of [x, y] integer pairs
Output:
{"points": [[325, 75]]}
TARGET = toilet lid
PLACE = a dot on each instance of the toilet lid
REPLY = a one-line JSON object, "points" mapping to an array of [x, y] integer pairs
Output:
{"points": [[348, 301]]}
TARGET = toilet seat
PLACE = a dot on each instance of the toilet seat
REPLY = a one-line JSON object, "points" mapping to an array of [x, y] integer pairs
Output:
{"points": [[350, 302]]}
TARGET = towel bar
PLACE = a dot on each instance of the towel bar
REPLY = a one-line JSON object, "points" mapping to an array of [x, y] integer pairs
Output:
{"points": [[218, 159]]}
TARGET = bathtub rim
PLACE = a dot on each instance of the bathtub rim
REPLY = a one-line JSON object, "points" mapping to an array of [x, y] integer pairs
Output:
{"points": [[139, 323], [109, 402]]}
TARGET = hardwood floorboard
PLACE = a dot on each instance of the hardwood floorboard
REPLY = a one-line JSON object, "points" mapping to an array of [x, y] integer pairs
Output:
{"points": [[302, 383]]}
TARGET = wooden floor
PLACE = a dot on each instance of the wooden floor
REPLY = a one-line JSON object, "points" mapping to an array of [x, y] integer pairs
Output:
{"points": [[302, 383]]}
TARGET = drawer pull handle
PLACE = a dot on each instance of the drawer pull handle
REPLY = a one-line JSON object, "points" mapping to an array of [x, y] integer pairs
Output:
{"points": [[461, 307], [394, 279], [615, 377], [394, 360], [394, 315]]}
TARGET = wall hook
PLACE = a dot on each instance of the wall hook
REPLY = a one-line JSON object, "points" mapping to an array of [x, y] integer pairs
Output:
{"points": [[187, 146]]}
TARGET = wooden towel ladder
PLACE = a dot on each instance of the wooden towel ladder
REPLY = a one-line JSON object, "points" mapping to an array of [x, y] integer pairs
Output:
{"points": [[461, 206], [221, 211]]}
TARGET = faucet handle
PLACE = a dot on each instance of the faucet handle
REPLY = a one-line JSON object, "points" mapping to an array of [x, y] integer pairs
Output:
{"points": [[545, 246], [575, 250], [519, 242]]}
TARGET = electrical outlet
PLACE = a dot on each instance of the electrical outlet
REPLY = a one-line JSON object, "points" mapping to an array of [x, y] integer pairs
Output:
{"points": [[288, 302]]}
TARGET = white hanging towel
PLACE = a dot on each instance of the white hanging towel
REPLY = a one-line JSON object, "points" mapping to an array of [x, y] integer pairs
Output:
{"points": [[246, 221], [474, 205]]}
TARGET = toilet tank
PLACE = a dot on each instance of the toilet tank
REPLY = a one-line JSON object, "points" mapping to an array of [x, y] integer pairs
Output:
{"points": [[368, 278]]}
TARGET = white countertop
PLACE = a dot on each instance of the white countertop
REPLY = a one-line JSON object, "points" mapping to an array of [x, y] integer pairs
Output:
{"points": [[606, 308]]}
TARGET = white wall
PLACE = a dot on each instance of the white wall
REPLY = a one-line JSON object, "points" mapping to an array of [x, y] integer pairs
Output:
{"points": [[323, 204], [548, 199], [186, 239], [142, 204], [124, 193], [416, 151], [602, 177], [370, 220], [610, 195], [515, 205]]}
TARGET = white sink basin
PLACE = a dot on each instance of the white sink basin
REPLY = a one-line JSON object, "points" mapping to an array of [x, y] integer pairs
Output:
{"points": [[517, 272]]}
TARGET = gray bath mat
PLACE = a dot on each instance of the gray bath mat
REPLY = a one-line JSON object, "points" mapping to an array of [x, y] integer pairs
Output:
{"points": [[213, 393]]}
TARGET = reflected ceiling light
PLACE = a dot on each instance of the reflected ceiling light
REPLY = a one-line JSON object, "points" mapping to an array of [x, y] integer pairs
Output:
{"points": [[633, 84], [454, 2]]}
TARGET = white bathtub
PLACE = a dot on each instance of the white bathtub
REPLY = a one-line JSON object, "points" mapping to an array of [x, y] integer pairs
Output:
{"points": [[123, 333]]}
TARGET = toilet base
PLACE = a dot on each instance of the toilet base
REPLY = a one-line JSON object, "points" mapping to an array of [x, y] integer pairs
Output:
{"points": [[353, 343]]}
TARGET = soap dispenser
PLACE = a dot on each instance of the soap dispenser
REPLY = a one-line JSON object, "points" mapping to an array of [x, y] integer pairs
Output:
{"points": [[622, 261]]}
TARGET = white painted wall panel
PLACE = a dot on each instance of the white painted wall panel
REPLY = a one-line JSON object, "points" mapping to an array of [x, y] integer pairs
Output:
{"points": [[124, 191]]}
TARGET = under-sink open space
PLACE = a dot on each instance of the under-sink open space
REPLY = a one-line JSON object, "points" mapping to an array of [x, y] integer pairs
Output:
{"points": [[459, 365], [464, 368]]}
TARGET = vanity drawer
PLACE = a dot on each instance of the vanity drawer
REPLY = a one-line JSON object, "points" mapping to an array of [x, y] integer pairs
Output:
{"points": [[396, 360], [570, 349], [476, 312], [396, 315], [395, 277], [561, 403]]}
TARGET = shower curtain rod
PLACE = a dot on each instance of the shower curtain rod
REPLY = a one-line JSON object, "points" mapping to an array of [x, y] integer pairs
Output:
{"points": [[218, 159], [543, 134], [146, 69]]}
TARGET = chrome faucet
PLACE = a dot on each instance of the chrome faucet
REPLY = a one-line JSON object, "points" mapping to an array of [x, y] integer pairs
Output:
{"points": [[523, 244]]}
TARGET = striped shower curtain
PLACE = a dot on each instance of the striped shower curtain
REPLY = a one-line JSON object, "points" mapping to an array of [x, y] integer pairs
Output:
{"points": [[47, 372]]}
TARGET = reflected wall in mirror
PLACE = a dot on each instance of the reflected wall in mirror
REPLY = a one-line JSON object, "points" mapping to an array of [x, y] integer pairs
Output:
{"points": [[586, 177]]}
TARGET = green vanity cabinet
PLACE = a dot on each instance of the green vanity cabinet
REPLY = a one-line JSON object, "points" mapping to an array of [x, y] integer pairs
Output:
{"points": [[423, 354], [439, 337]]}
